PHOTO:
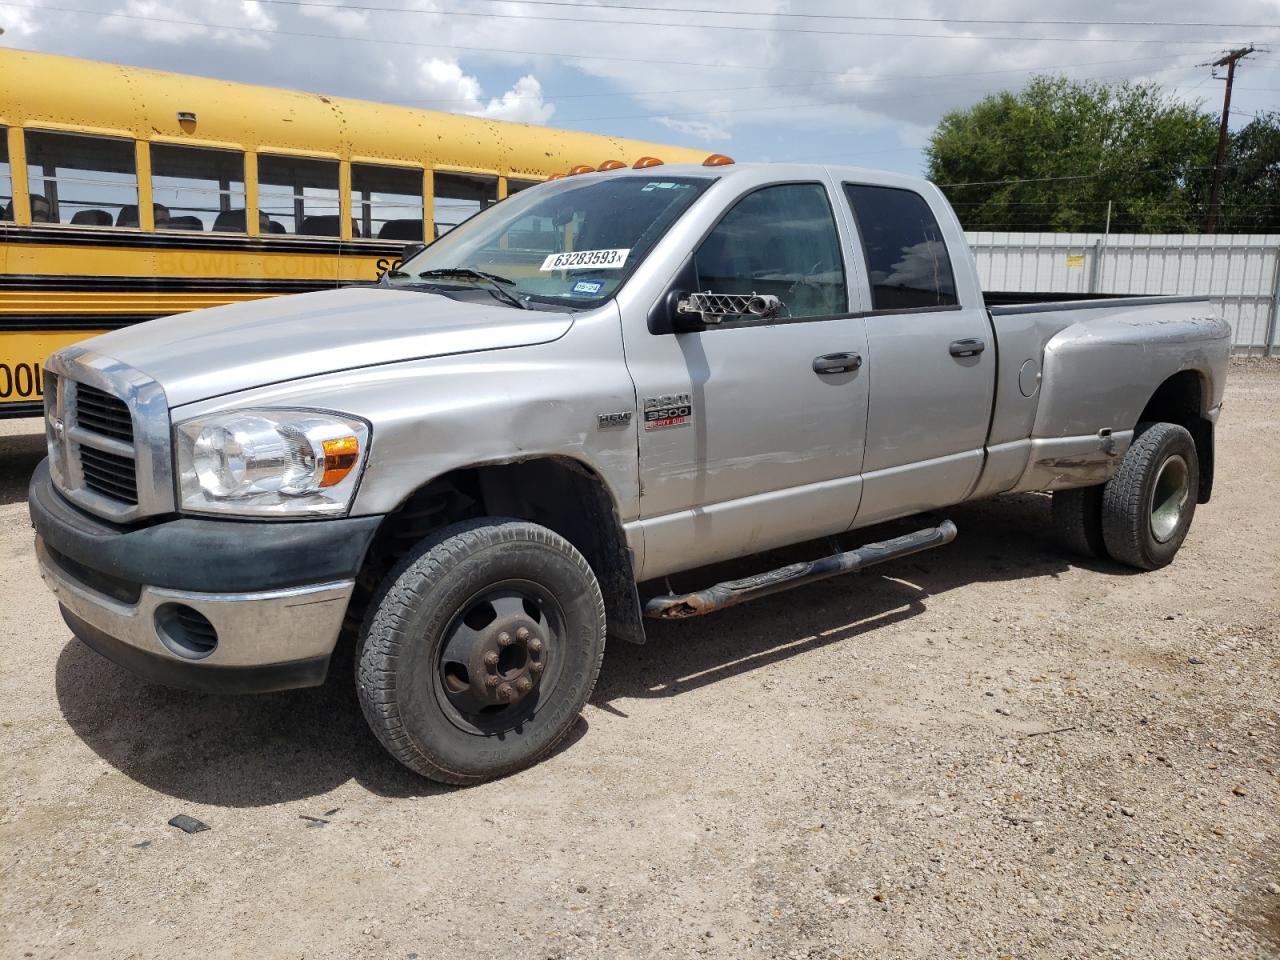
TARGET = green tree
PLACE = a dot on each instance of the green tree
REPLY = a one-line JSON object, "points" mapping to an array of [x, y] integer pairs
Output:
{"points": [[1251, 181], [1051, 156]]}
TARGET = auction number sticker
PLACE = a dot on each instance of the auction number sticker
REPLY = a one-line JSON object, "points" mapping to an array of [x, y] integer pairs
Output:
{"points": [[586, 260]]}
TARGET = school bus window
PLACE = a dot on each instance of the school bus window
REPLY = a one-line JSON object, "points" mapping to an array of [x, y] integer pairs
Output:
{"points": [[299, 195], [459, 196], [6, 178], [87, 181], [386, 202], [198, 189], [515, 186]]}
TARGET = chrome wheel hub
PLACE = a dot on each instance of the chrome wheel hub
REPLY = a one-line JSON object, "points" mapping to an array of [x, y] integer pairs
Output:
{"points": [[1170, 496]]}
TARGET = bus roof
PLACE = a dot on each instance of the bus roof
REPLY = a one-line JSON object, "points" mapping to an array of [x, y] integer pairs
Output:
{"points": [[49, 92]]}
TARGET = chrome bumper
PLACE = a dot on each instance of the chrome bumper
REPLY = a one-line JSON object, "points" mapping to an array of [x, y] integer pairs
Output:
{"points": [[254, 630]]}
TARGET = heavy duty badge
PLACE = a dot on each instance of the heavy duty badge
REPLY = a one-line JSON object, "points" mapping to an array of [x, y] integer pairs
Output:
{"points": [[671, 410]]}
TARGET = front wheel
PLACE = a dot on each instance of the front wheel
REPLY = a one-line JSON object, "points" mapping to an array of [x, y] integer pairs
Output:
{"points": [[1148, 505], [481, 649]]}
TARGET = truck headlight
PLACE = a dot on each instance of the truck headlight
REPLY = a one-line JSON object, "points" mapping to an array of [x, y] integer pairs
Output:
{"points": [[270, 462]]}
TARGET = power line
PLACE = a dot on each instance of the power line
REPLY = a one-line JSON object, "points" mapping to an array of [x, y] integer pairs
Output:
{"points": [[869, 95], [575, 56], [645, 8], [879, 78]]}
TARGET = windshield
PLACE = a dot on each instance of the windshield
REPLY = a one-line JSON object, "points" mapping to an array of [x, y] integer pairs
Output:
{"points": [[570, 242]]}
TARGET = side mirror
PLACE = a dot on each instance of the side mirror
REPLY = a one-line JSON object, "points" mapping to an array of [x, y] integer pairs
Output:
{"points": [[412, 250], [715, 307]]}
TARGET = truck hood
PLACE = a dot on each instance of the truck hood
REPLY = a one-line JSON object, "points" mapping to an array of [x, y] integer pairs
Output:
{"points": [[222, 350]]}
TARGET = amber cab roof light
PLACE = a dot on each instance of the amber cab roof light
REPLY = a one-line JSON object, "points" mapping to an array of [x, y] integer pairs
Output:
{"points": [[717, 160], [612, 165], [645, 162], [582, 168], [556, 176]]}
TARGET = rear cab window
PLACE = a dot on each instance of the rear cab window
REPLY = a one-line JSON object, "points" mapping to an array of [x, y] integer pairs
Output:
{"points": [[907, 261]]}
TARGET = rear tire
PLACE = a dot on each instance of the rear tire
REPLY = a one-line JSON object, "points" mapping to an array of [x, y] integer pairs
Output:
{"points": [[1148, 505], [1077, 518], [480, 650]]}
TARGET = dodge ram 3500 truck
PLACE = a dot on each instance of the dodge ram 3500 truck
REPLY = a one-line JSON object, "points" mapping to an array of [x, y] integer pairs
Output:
{"points": [[474, 471]]}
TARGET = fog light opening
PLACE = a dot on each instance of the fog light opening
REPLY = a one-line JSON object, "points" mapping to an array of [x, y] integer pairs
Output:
{"points": [[185, 631]]}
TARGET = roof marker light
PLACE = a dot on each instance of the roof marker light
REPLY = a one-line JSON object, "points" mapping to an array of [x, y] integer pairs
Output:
{"points": [[612, 165], [556, 176], [717, 160], [582, 168], [645, 162]]}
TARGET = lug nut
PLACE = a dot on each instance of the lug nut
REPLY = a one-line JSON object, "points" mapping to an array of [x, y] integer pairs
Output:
{"points": [[535, 645], [505, 692], [490, 681], [522, 634], [491, 659], [523, 684], [536, 666], [504, 639]]}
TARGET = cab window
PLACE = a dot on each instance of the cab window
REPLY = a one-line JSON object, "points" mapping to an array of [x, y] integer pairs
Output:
{"points": [[197, 189], [299, 195], [386, 202], [87, 181], [780, 240], [907, 258]]}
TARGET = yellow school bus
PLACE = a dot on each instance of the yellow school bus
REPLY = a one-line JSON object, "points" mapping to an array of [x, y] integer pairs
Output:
{"points": [[129, 194]]}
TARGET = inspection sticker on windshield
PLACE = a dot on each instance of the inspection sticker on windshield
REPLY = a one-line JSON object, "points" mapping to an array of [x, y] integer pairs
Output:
{"points": [[586, 260], [588, 286]]}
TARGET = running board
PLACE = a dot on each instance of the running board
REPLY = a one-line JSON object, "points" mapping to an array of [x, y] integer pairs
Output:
{"points": [[733, 592]]}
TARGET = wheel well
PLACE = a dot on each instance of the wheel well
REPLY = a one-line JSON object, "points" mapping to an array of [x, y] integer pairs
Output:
{"points": [[1181, 400], [557, 492]]}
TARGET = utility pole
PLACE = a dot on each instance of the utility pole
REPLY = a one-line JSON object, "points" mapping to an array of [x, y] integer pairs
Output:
{"points": [[1229, 61]]}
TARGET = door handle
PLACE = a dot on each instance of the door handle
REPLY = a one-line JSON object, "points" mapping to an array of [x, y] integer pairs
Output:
{"points": [[968, 348], [836, 363]]}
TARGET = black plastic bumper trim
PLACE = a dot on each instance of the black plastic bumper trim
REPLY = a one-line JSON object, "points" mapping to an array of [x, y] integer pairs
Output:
{"points": [[200, 677], [204, 556]]}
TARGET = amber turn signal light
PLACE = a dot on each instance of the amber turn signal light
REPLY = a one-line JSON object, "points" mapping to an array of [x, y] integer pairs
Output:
{"points": [[644, 162], [717, 160], [340, 457]]}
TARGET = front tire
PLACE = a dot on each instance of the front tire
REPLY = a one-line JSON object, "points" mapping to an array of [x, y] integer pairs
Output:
{"points": [[481, 649], [1148, 505]]}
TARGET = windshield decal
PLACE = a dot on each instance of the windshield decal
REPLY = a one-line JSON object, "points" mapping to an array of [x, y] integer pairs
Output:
{"points": [[588, 286], [586, 260]]}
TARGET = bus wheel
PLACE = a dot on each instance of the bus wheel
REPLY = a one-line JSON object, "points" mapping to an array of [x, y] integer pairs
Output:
{"points": [[481, 649]]}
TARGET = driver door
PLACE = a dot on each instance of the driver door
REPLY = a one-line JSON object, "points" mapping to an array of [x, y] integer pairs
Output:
{"points": [[749, 439]]}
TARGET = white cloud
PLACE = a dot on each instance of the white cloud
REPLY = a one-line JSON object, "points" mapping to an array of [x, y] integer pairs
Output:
{"points": [[705, 130], [184, 21], [447, 87], [347, 21]]}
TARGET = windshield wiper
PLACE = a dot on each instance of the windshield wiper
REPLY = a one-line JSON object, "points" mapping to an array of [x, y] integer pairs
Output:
{"points": [[466, 273]]}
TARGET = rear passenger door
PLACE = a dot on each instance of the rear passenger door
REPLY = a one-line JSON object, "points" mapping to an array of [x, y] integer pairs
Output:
{"points": [[931, 357]]}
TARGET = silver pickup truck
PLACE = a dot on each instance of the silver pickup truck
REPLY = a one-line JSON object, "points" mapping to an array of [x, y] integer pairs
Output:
{"points": [[477, 469]]}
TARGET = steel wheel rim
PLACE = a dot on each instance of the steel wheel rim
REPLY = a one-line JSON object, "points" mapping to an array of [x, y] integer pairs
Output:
{"points": [[1169, 497], [467, 682]]}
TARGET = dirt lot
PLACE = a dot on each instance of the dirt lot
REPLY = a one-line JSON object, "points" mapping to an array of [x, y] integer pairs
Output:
{"points": [[857, 769]]}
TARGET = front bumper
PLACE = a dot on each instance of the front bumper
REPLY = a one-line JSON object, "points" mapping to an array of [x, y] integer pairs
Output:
{"points": [[272, 596]]}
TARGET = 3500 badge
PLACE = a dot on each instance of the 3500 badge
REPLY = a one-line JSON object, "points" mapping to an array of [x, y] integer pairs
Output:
{"points": [[671, 410]]}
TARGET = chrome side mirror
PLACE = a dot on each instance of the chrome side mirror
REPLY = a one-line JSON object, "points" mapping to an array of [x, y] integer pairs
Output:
{"points": [[715, 307]]}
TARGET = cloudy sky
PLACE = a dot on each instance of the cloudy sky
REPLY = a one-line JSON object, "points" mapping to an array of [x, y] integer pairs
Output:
{"points": [[760, 79]]}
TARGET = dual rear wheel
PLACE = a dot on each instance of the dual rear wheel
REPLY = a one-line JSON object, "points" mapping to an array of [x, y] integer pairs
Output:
{"points": [[1140, 516]]}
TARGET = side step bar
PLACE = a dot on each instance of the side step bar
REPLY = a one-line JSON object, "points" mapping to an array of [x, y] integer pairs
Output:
{"points": [[733, 592]]}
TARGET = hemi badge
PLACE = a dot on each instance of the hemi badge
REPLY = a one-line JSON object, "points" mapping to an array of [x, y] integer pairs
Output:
{"points": [[613, 419]]}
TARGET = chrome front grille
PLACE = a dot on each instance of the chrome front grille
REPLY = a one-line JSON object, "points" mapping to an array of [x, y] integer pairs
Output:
{"points": [[108, 431], [102, 413], [109, 474]]}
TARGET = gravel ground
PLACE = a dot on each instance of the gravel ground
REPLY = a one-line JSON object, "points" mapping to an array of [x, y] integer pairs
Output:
{"points": [[985, 751]]}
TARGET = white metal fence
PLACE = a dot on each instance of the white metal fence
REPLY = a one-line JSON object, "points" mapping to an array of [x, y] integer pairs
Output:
{"points": [[1240, 272]]}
